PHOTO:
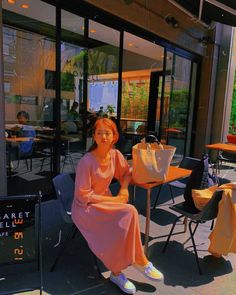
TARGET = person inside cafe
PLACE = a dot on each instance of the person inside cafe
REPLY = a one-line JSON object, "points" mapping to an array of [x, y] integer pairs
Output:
{"points": [[109, 224], [26, 131], [73, 123], [73, 114]]}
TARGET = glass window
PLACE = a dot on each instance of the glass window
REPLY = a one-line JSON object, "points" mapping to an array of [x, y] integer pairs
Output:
{"points": [[140, 58], [103, 65], [178, 109], [73, 54], [27, 57]]}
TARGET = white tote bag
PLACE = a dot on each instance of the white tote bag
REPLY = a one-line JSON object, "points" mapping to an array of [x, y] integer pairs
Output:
{"points": [[151, 162]]}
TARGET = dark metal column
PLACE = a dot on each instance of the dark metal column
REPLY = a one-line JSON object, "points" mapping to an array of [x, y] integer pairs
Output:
{"points": [[57, 100], [3, 173]]}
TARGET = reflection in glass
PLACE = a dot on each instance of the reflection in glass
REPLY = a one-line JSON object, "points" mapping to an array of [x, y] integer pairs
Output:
{"points": [[140, 58], [27, 55], [103, 64], [179, 103]]}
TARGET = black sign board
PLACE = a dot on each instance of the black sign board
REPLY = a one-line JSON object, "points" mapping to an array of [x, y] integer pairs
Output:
{"points": [[17, 229]]}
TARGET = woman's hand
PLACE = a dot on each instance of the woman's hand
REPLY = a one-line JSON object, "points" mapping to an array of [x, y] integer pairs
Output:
{"points": [[123, 196], [126, 180], [122, 199]]}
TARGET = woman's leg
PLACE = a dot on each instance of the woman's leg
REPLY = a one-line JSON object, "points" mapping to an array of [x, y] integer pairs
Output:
{"points": [[141, 261], [140, 257]]}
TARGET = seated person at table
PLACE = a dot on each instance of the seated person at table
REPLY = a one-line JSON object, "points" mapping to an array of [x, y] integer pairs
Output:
{"points": [[108, 223], [25, 131], [74, 121]]}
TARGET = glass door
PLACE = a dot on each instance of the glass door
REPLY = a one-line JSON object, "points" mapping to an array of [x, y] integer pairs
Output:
{"points": [[171, 100], [159, 103]]}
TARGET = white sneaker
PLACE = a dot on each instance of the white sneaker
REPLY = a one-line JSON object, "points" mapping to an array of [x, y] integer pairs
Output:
{"points": [[123, 283], [150, 272]]}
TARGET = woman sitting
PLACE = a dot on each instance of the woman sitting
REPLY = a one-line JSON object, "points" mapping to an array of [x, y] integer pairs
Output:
{"points": [[108, 223]]}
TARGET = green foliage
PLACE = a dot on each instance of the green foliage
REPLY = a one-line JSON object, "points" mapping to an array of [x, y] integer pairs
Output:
{"points": [[232, 122], [179, 108], [16, 99], [135, 100], [110, 109]]}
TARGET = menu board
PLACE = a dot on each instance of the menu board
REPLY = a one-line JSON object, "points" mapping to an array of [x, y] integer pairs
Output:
{"points": [[17, 229]]}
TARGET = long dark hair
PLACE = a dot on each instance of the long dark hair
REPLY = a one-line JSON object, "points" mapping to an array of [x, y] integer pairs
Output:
{"points": [[110, 124]]}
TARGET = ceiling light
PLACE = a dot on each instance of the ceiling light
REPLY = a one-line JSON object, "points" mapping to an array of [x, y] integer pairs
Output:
{"points": [[25, 6], [92, 31], [130, 44], [11, 1], [83, 28]]}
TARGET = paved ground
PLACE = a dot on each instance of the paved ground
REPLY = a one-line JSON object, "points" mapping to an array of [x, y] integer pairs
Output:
{"points": [[75, 274]]}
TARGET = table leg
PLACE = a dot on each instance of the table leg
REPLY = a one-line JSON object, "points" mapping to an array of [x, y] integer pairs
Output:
{"points": [[147, 227], [132, 195]]}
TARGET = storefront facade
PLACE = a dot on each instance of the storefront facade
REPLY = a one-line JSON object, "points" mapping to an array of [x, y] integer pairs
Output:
{"points": [[67, 62]]}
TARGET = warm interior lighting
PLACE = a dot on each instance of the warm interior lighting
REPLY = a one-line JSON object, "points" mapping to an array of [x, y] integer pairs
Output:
{"points": [[83, 28], [92, 31], [25, 6], [11, 1], [130, 44]]}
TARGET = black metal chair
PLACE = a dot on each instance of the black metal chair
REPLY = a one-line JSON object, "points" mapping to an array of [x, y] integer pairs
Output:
{"points": [[209, 212], [225, 157], [64, 186], [187, 163]]}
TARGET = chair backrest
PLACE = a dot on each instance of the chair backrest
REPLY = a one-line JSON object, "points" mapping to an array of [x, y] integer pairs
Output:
{"points": [[64, 185], [210, 210], [227, 156], [199, 179], [189, 163]]}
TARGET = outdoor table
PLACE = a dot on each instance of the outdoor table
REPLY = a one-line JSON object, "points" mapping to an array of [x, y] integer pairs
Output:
{"points": [[222, 147], [174, 173], [226, 147]]}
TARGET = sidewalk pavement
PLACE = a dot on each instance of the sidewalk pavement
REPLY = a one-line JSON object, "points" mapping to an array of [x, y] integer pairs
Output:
{"points": [[74, 273]]}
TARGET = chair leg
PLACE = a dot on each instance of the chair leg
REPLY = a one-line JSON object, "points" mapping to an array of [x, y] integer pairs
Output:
{"points": [[194, 245], [171, 231], [27, 165], [157, 197], [212, 224], [63, 246], [171, 193], [71, 162], [31, 164], [195, 228], [185, 222], [132, 194]]}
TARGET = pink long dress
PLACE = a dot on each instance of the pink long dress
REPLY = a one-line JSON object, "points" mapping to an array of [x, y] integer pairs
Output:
{"points": [[111, 229]]}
